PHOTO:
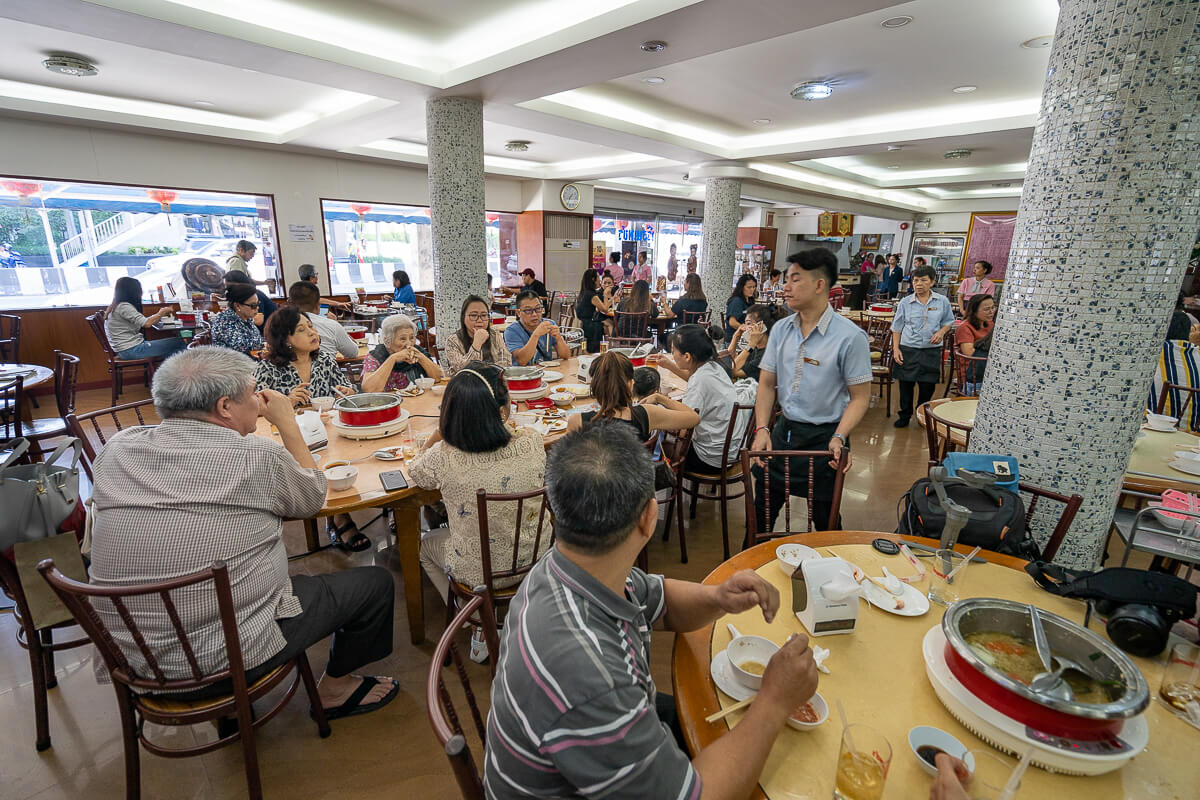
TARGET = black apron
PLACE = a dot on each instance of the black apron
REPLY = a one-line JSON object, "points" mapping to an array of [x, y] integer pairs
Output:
{"points": [[921, 365]]}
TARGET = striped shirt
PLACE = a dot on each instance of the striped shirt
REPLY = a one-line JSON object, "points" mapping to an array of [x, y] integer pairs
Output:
{"points": [[573, 701], [1179, 363], [171, 500]]}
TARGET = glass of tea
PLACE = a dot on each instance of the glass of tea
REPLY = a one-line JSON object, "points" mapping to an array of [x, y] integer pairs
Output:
{"points": [[1181, 678], [862, 764], [989, 774]]}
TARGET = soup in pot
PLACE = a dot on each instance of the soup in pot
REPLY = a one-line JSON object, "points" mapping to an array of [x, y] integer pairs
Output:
{"points": [[1018, 659]]}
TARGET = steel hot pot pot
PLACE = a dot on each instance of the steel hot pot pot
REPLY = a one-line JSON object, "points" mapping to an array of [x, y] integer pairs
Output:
{"points": [[370, 408], [523, 379]]}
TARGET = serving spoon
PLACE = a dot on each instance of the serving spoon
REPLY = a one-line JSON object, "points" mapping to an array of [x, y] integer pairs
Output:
{"points": [[1049, 683]]}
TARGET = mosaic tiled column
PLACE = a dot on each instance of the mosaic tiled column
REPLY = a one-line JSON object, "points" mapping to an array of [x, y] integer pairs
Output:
{"points": [[454, 131], [1108, 215], [721, 216]]}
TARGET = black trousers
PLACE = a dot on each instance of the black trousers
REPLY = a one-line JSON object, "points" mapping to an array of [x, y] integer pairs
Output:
{"points": [[355, 606], [790, 435], [924, 393]]}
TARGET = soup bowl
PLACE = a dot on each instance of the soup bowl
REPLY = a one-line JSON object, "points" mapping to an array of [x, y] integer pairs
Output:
{"points": [[743, 651]]}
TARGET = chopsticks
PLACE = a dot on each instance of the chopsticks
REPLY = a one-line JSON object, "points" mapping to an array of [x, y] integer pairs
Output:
{"points": [[727, 711]]}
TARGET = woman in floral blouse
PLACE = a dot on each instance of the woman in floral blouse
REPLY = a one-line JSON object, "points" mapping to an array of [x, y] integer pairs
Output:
{"points": [[397, 361], [235, 327], [476, 339]]}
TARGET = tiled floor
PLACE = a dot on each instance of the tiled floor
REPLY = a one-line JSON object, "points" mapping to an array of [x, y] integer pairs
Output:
{"points": [[388, 754]]}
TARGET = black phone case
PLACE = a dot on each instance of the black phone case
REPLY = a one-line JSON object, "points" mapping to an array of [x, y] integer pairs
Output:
{"points": [[393, 480]]}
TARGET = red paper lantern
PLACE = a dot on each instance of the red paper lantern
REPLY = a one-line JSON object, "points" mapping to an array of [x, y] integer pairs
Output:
{"points": [[164, 197], [25, 189], [361, 210]]}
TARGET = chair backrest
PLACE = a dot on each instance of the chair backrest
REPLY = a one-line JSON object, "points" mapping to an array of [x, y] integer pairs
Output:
{"points": [[695, 318], [425, 301], [444, 717], [943, 436], [632, 325], [963, 365], [66, 377], [566, 318], [515, 569], [93, 428], [202, 338], [1180, 397], [817, 459], [734, 446], [837, 299], [556, 305], [96, 323], [12, 405], [879, 331], [10, 338], [90, 603], [1071, 504]]}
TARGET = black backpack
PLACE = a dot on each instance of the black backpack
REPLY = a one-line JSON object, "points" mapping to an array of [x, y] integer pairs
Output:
{"points": [[920, 513]]}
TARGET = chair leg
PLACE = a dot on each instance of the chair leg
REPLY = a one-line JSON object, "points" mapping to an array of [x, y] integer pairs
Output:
{"points": [[249, 750], [683, 557], [695, 497], [888, 409], [133, 768], [116, 373], [37, 668], [314, 699], [725, 518], [48, 657], [491, 632], [670, 512]]}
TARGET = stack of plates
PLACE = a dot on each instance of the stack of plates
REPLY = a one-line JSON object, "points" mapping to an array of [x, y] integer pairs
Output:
{"points": [[1183, 465], [530, 394]]}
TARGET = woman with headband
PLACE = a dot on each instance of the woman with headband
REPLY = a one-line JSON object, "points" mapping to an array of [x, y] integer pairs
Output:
{"points": [[474, 449]]}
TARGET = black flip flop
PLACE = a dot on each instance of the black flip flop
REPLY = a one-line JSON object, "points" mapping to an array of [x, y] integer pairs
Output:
{"points": [[354, 705], [355, 544]]}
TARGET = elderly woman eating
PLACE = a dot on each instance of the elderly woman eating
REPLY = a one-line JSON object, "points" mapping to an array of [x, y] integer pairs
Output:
{"points": [[397, 361]]}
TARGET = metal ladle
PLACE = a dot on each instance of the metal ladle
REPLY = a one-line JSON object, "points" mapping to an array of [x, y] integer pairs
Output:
{"points": [[1050, 682]]}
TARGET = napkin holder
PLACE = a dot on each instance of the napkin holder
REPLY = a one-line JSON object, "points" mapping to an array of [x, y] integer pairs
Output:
{"points": [[825, 596], [313, 430], [584, 374]]}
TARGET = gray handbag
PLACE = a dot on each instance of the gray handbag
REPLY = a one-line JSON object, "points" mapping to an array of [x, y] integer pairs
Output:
{"points": [[36, 498]]}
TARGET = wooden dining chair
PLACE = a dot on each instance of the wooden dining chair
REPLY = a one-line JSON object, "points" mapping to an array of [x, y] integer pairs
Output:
{"points": [[66, 376], [444, 717], [943, 436], [631, 329], [10, 338], [145, 693], [695, 318], [502, 580], [1070, 504], [94, 428], [12, 407], [879, 336], [1180, 397], [963, 366], [720, 480], [675, 446], [117, 367], [817, 459]]}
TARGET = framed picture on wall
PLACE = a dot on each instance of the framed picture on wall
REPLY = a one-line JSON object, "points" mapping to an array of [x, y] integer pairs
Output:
{"points": [[989, 239], [870, 241]]}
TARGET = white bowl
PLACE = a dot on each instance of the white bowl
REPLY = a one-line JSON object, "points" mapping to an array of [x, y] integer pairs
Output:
{"points": [[936, 737], [789, 556], [438, 388], [1161, 422], [341, 478], [425, 383], [564, 399], [322, 404], [750, 648], [820, 707]]}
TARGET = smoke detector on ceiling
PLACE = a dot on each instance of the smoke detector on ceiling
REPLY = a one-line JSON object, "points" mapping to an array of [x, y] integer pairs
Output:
{"points": [[517, 145], [653, 46], [896, 22], [1038, 42], [961, 152], [70, 65]]}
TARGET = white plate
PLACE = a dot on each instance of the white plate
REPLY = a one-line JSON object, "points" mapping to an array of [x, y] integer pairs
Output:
{"points": [[551, 362], [553, 426], [722, 675], [915, 603], [411, 391], [1157, 429], [578, 389], [550, 376], [1183, 466]]}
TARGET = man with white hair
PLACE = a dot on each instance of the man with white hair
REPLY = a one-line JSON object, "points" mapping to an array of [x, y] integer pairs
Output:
{"points": [[173, 498]]}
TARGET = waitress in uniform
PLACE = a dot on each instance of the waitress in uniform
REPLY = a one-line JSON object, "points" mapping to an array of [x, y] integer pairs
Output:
{"points": [[922, 321]]}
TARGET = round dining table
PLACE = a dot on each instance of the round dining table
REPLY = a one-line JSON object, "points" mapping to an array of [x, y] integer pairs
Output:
{"points": [[32, 375], [878, 674]]}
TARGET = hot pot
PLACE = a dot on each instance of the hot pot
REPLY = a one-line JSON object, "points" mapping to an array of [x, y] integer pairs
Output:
{"points": [[523, 379], [356, 331], [369, 408], [497, 318], [1069, 718], [186, 317], [885, 307], [637, 361]]}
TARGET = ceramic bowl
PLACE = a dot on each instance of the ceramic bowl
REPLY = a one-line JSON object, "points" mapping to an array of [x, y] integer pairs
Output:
{"points": [[425, 383], [341, 478], [562, 399], [928, 736], [819, 707], [322, 404], [438, 388], [744, 649], [789, 556]]}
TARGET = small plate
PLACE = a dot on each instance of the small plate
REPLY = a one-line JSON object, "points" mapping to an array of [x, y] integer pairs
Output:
{"points": [[1149, 427], [915, 603], [722, 675], [553, 362], [393, 454], [577, 389], [550, 376], [552, 426], [1182, 466], [411, 391]]}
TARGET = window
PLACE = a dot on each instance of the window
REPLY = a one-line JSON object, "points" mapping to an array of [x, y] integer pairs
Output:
{"points": [[65, 243], [366, 242], [630, 233]]}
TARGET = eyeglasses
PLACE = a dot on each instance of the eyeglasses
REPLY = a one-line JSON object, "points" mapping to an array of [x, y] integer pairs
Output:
{"points": [[529, 312], [249, 305], [477, 317]]}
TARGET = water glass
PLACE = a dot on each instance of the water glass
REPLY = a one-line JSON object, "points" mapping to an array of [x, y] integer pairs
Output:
{"points": [[862, 764], [943, 589], [989, 774], [1181, 678]]}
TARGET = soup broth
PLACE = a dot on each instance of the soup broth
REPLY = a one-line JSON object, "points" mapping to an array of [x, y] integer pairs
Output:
{"points": [[753, 667], [1018, 659]]}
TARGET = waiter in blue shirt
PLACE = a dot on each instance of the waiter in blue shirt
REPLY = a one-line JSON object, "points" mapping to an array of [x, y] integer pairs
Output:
{"points": [[818, 364], [921, 323], [531, 339]]}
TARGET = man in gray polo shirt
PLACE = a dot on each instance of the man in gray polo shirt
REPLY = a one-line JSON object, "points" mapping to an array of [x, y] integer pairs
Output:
{"points": [[574, 709]]}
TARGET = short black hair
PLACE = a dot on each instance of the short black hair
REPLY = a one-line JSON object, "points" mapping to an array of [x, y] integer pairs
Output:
{"points": [[245, 245], [237, 276], [987, 266], [402, 276], [528, 294], [1178, 328], [818, 260], [614, 257], [694, 340], [775, 273], [646, 381], [598, 481], [470, 420], [279, 327], [919, 261], [239, 292], [305, 295], [924, 271]]}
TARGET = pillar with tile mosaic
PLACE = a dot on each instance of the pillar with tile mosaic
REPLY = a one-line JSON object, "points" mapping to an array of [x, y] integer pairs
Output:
{"points": [[454, 129], [1108, 215], [722, 213]]}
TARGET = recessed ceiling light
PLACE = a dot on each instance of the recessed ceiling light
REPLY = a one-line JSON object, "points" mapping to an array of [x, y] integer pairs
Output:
{"points": [[763, 121], [893, 166], [70, 65], [653, 46], [960, 152], [517, 145], [1038, 42], [964, 89], [894, 147], [654, 80], [811, 90], [1001, 185], [205, 103], [896, 22]]}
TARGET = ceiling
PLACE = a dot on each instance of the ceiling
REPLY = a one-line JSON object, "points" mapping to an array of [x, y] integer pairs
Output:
{"points": [[353, 76]]}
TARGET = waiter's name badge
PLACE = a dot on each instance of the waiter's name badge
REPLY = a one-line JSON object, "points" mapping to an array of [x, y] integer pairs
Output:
{"points": [[812, 361]]}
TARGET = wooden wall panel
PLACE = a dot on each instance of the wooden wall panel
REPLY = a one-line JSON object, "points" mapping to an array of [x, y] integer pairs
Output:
{"points": [[531, 242]]}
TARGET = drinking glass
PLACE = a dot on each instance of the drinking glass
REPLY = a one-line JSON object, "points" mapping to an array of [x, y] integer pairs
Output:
{"points": [[420, 440], [862, 764], [989, 774], [1181, 678], [943, 589]]}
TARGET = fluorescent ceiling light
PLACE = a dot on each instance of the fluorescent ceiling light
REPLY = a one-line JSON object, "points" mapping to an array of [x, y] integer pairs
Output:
{"points": [[531, 167], [827, 182], [944, 194], [854, 165]]}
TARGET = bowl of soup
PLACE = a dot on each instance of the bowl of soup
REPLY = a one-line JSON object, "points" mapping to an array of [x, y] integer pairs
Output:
{"points": [[749, 656], [989, 648]]}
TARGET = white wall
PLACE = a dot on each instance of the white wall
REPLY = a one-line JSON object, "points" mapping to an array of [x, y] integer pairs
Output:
{"points": [[298, 181], [956, 217]]}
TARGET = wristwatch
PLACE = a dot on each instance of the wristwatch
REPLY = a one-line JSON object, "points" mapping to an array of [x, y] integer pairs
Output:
{"points": [[843, 437]]}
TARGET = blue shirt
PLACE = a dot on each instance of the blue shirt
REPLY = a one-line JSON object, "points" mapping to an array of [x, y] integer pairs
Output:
{"points": [[917, 322], [516, 337], [836, 356], [405, 294]]}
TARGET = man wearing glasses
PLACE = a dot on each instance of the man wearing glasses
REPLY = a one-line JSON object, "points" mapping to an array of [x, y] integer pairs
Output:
{"points": [[534, 340]]}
